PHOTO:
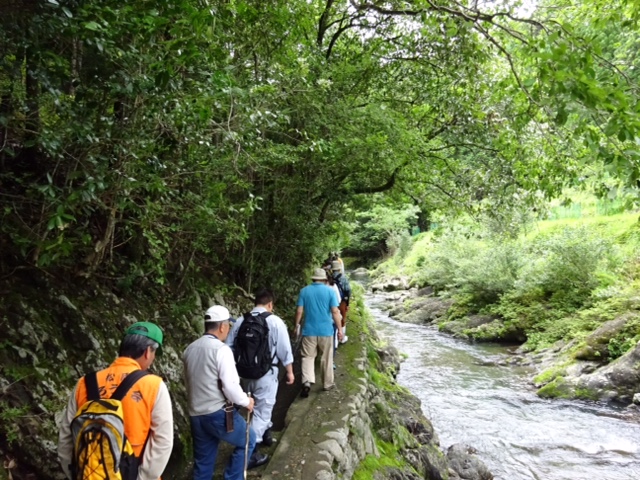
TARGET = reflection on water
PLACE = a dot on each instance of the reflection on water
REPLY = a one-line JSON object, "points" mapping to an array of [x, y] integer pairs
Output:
{"points": [[494, 409]]}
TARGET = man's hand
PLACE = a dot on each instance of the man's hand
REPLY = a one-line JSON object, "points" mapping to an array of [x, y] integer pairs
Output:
{"points": [[252, 402], [290, 378], [340, 335]]}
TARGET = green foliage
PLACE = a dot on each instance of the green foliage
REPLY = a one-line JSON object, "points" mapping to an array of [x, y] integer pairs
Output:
{"points": [[382, 230], [625, 340], [558, 282], [9, 416], [476, 265], [566, 266], [550, 374], [156, 142], [389, 457]]}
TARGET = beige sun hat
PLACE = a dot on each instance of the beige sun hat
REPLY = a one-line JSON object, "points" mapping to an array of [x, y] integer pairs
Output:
{"points": [[319, 274]]}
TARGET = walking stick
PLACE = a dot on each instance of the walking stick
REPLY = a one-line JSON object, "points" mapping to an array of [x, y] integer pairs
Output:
{"points": [[246, 441]]}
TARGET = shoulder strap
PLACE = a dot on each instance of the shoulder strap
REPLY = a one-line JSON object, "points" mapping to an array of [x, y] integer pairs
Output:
{"points": [[91, 384], [266, 314], [127, 383]]}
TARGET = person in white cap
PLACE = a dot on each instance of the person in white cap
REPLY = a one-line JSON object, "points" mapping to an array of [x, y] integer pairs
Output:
{"points": [[265, 388], [318, 303], [213, 386]]}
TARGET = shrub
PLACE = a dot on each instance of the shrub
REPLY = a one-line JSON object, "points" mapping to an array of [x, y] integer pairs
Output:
{"points": [[568, 266], [484, 269]]}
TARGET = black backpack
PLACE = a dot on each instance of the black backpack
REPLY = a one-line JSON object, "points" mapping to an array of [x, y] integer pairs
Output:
{"points": [[251, 347]]}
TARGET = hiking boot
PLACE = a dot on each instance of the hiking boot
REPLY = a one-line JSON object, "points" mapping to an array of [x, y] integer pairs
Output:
{"points": [[330, 387], [267, 438], [306, 387], [257, 459]]}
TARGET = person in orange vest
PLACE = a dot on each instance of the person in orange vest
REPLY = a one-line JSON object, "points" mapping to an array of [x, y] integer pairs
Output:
{"points": [[148, 416]]}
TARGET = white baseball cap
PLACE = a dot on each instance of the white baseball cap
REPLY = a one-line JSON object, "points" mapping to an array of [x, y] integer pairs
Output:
{"points": [[217, 313]]}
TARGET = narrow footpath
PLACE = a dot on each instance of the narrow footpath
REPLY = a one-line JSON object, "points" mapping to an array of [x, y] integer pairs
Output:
{"points": [[312, 434]]}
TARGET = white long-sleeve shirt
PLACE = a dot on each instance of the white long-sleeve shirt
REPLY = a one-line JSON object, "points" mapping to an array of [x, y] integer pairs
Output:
{"points": [[157, 451], [205, 361]]}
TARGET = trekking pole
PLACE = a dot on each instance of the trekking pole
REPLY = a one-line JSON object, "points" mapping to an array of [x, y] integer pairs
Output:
{"points": [[246, 441]]}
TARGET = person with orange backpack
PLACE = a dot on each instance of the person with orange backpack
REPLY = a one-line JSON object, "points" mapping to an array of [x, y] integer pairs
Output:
{"points": [[118, 424]]}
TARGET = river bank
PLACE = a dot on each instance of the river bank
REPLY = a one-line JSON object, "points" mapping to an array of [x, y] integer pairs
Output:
{"points": [[566, 369], [475, 394]]}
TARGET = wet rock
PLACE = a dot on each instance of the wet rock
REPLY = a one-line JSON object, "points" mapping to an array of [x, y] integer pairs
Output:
{"points": [[466, 464], [636, 398], [597, 343], [360, 273], [391, 284], [390, 358], [427, 310], [391, 473], [396, 310], [621, 376], [425, 292]]}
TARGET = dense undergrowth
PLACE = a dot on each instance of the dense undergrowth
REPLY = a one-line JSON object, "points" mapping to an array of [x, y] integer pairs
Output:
{"points": [[560, 280]]}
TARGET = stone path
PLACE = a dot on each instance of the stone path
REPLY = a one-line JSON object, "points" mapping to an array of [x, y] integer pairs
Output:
{"points": [[318, 429]]}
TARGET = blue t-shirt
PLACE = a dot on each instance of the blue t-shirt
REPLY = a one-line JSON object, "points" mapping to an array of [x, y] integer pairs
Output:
{"points": [[317, 300]]}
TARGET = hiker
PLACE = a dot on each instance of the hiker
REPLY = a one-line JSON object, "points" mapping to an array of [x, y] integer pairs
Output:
{"points": [[213, 386], [342, 282], [318, 303], [146, 409], [332, 284], [261, 377], [333, 257], [339, 260]]}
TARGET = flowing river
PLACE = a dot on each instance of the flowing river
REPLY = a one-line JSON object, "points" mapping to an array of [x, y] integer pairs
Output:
{"points": [[470, 399]]}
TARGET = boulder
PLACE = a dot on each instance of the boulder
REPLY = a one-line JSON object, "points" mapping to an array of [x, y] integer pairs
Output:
{"points": [[464, 462], [621, 376], [425, 292], [396, 310], [360, 273], [427, 310], [619, 380], [597, 343], [456, 327], [391, 285], [390, 358]]}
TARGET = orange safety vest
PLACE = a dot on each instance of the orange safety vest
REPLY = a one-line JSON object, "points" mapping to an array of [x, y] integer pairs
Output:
{"points": [[137, 404]]}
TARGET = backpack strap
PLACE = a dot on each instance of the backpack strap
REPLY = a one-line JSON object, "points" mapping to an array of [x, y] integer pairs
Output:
{"points": [[127, 383], [264, 316], [91, 384]]}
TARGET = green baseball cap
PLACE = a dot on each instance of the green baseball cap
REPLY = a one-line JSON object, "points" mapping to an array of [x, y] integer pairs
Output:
{"points": [[147, 329]]}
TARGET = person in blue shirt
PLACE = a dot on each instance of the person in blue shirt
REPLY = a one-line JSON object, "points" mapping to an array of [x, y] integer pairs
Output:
{"points": [[319, 306]]}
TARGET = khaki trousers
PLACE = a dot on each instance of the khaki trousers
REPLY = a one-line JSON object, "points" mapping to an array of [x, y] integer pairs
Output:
{"points": [[309, 349]]}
